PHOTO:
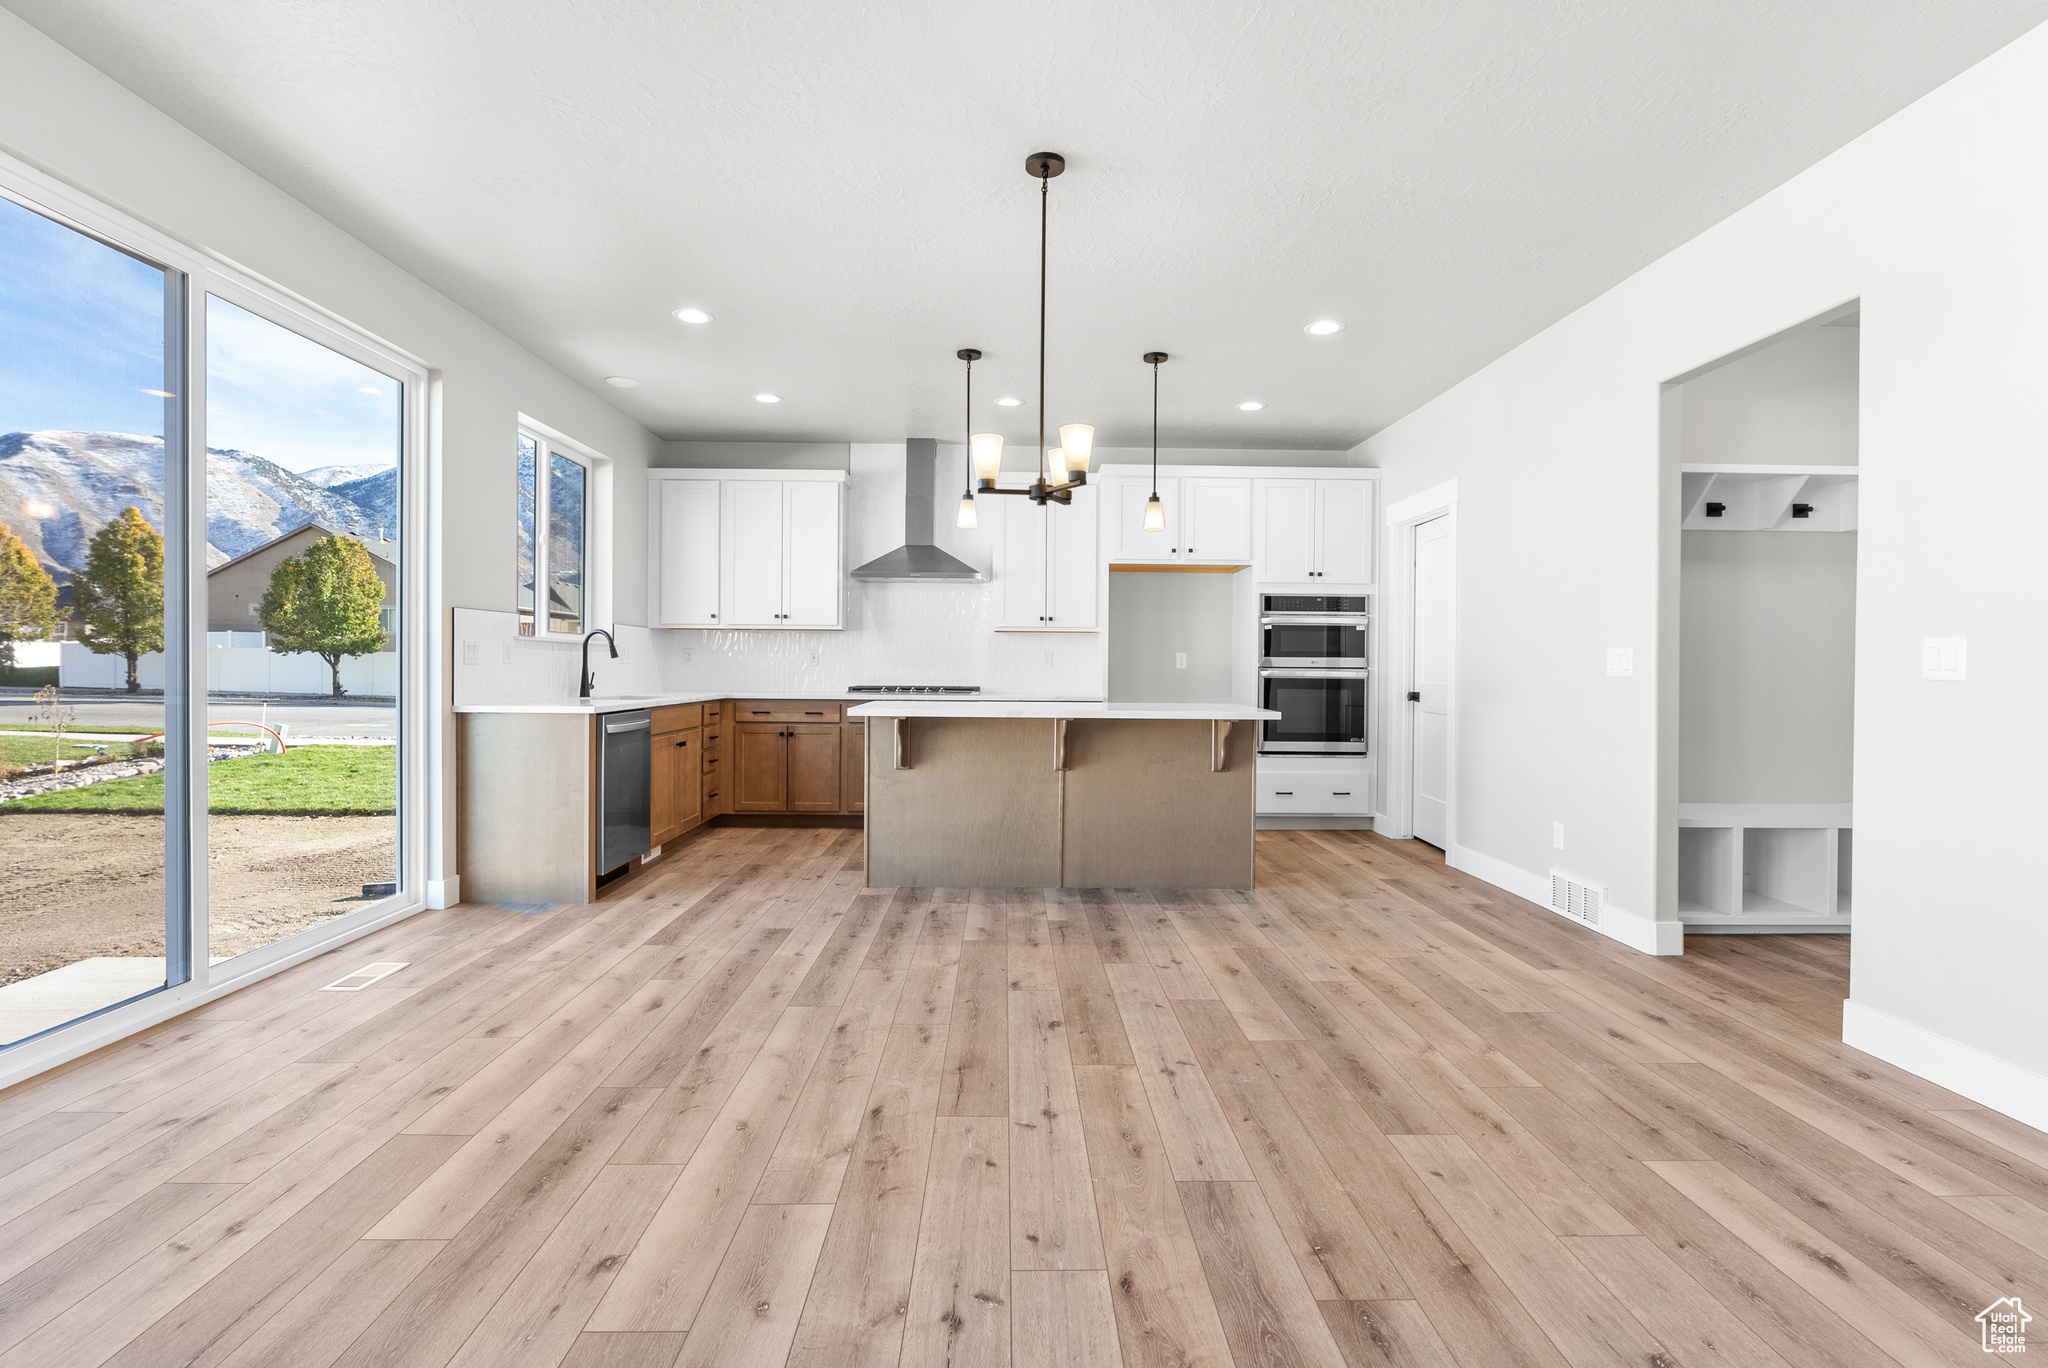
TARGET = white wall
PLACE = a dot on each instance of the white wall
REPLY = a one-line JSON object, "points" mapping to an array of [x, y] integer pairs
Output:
{"points": [[1154, 618], [896, 633], [1791, 403], [1569, 544], [67, 119], [1767, 694]]}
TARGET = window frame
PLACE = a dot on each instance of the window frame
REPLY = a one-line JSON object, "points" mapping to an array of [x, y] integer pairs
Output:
{"points": [[191, 274], [596, 553]]}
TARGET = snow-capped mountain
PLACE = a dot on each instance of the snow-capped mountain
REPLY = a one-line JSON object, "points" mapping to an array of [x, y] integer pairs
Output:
{"points": [[327, 477], [58, 488]]}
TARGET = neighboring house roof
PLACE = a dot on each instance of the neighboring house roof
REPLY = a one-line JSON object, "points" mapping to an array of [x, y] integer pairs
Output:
{"points": [[386, 551]]}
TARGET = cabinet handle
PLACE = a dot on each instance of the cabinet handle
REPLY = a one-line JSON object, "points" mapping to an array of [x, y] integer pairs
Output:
{"points": [[814, 714], [712, 761], [1340, 793], [760, 712], [682, 743], [1283, 793]]}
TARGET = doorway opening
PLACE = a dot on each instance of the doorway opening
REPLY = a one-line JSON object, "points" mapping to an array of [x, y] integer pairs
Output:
{"points": [[1762, 836]]}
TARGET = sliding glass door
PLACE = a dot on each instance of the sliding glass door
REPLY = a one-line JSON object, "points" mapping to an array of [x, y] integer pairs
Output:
{"points": [[211, 594]]}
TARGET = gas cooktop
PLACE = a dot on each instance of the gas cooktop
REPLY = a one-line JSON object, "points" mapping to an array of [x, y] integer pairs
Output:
{"points": [[915, 688]]}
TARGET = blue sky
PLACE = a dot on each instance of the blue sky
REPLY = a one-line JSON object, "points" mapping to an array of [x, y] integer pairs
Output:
{"points": [[81, 344]]}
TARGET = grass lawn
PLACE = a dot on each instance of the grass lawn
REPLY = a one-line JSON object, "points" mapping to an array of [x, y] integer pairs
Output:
{"points": [[311, 780], [16, 749], [94, 728]]}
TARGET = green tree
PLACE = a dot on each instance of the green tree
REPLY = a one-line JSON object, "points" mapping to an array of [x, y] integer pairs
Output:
{"points": [[325, 603], [121, 593], [28, 596]]}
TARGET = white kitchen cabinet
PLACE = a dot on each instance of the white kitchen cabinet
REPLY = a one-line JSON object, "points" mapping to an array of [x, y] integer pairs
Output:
{"points": [[683, 547], [1315, 532], [1208, 519], [746, 548], [1046, 564]]}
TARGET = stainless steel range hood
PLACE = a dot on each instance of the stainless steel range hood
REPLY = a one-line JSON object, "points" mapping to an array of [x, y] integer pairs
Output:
{"points": [[918, 558]]}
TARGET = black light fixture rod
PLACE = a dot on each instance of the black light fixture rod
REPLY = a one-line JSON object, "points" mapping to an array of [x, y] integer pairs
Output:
{"points": [[970, 355], [1044, 212]]}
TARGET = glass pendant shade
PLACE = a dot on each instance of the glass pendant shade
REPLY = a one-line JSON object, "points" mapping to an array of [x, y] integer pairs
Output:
{"points": [[1078, 441], [968, 517], [988, 455], [1056, 465], [1155, 515]]}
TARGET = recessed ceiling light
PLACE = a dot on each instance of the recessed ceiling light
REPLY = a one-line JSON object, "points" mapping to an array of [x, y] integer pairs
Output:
{"points": [[693, 315], [1007, 402], [622, 382], [1323, 327], [767, 398], [1251, 406]]}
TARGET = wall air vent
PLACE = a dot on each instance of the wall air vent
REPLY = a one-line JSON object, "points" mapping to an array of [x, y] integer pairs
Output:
{"points": [[1575, 898]]}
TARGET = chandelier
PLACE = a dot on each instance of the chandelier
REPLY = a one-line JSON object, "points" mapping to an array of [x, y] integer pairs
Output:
{"points": [[1061, 469]]}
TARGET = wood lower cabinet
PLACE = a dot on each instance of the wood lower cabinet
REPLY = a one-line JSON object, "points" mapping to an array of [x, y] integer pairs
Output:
{"points": [[813, 766], [853, 766], [760, 768], [675, 793]]}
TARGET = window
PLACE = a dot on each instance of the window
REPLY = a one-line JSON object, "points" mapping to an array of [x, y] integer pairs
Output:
{"points": [[553, 537]]}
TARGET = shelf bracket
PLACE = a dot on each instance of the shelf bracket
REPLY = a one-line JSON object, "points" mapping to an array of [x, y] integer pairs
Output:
{"points": [[1059, 743], [1219, 745], [896, 730]]}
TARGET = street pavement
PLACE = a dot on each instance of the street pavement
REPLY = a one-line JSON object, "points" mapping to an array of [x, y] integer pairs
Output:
{"points": [[303, 719]]}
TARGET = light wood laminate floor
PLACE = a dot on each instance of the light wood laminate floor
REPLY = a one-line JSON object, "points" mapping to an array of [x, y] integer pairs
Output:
{"points": [[747, 1112]]}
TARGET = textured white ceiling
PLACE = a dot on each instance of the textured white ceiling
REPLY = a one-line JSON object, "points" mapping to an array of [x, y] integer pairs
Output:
{"points": [[842, 185]]}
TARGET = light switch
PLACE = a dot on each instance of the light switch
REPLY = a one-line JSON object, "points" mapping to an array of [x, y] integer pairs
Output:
{"points": [[1180, 660], [1557, 834], [1944, 657], [469, 653], [1621, 660]]}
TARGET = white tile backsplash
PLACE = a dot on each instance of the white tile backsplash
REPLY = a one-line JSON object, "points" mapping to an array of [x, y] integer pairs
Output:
{"points": [[494, 664]]}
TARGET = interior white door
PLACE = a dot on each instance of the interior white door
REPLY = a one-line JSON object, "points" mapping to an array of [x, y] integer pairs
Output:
{"points": [[1344, 531], [689, 553], [1020, 573], [1218, 519], [753, 553], [812, 569], [1070, 564], [1430, 688], [1133, 542], [1286, 530]]}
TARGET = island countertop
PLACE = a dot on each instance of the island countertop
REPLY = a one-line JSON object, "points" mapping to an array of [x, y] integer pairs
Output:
{"points": [[610, 703], [1077, 711]]}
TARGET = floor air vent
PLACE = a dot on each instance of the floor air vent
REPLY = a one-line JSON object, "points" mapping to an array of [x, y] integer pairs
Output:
{"points": [[1572, 898]]}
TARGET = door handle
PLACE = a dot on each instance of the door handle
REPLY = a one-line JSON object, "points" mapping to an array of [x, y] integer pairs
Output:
{"points": [[1414, 697], [682, 743]]}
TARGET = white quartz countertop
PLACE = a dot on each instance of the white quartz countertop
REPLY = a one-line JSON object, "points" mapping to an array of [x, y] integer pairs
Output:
{"points": [[634, 702], [1083, 710]]}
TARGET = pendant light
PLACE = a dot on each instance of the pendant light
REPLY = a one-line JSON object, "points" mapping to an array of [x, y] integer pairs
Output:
{"points": [[1155, 511], [968, 515], [1068, 462]]}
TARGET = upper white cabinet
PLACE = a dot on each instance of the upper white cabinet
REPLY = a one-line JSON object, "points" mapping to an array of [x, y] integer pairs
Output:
{"points": [[1208, 520], [1315, 531], [747, 548], [1046, 564], [683, 542]]}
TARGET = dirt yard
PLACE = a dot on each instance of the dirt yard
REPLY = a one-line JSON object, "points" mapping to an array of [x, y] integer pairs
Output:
{"points": [[74, 885]]}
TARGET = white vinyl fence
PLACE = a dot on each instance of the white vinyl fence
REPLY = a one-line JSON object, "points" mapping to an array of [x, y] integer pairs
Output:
{"points": [[235, 667]]}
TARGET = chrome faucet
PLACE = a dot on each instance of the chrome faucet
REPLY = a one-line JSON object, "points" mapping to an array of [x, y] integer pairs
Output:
{"points": [[583, 690]]}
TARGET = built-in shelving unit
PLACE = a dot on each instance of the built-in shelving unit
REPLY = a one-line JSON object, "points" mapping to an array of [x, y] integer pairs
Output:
{"points": [[1768, 498], [1775, 867]]}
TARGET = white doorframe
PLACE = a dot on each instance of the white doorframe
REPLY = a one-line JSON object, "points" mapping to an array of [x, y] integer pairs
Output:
{"points": [[1397, 649]]}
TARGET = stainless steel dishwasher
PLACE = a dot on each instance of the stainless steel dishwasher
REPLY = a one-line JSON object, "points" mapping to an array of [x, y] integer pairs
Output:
{"points": [[624, 776]]}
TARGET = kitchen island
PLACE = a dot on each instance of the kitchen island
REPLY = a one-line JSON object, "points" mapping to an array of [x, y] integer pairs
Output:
{"points": [[992, 794]]}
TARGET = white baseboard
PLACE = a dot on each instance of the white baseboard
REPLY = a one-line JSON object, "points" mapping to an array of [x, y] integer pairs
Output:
{"points": [[1617, 923], [444, 892], [2003, 1087]]}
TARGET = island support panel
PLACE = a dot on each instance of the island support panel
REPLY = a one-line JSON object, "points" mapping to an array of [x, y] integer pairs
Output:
{"points": [[977, 806], [1145, 806]]}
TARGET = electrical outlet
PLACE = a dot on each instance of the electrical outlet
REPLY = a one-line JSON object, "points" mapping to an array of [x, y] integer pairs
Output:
{"points": [[688, 655], [814, 657], [1180, 660], [506, 647], [1048, 660], [1621, 660], [469, 653], [1557, 834]]}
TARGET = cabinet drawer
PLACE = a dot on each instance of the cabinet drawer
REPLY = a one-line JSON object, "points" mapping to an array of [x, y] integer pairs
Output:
{"points": [[677, 717], [711, 761], [783, 710], [1284, 793]]}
